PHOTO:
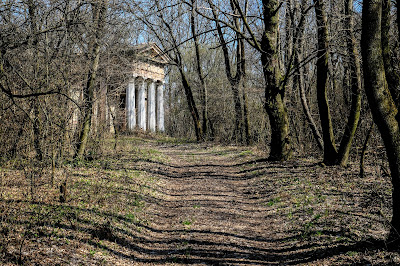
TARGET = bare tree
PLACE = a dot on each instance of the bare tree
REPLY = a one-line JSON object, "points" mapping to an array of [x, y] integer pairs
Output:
{"points": [[356, 87], [99, 11], [382, 99], [299, 78], [267, 46], [333, 156], [203, 89], [330, 152], [234, 79]]}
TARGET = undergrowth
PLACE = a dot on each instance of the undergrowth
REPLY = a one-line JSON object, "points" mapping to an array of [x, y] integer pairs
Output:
{"points": [[105, 203]]}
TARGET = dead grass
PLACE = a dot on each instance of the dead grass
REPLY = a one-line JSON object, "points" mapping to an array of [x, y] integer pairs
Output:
{"points": [[160, 201]]}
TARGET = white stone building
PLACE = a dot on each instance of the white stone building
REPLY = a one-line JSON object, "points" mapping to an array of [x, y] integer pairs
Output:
{"points": [[140, 106], [145, 91]]}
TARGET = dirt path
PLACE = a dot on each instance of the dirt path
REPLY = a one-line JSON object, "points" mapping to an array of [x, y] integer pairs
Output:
{"points": [[163, 203], [224, 205], [207, 214]]}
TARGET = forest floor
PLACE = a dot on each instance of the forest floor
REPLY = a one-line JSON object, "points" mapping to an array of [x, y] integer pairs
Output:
{"points": [[165, 202]]}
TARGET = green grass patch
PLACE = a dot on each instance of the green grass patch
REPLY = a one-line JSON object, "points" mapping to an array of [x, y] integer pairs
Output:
{"points": [[245, 153], [274, 201]]}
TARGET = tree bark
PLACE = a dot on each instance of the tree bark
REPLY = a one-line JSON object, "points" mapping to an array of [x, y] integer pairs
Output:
{"points": [[364, 149], [330, 152], [35, 102], [245, 113], [355, 71], [99, 17], [274, 93], [192, 106], [383, 107], [203, 90], [392, 77], [398, 18]]}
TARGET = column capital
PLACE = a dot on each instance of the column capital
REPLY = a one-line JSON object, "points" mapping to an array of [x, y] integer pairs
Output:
{"points": [[151, 80], [136, 77]]}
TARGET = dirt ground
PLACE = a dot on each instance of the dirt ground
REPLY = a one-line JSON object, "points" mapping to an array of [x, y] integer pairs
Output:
{"points": [[164, 202]]}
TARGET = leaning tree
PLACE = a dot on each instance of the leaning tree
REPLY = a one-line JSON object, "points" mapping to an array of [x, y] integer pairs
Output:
{"points": [[382, 95]]}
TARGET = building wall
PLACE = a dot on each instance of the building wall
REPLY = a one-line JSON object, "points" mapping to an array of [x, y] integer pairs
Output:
{"points": [[148, 70]]}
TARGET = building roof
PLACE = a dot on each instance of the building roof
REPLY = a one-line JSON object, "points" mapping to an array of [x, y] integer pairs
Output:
{"points": [[151, 51]]}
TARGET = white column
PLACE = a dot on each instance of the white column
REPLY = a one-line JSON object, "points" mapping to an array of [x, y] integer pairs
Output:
{"points": [[142, 104], [160, 107], [76, 96], [130, 106], [151, 106], [111, 117]]}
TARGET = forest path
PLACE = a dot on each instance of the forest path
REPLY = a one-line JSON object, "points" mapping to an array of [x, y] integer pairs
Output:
{"points": [[156, 202], [215, 206], [227, 205]]}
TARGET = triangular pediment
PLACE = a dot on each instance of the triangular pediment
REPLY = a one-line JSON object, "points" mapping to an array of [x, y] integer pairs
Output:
{"points": [[151, 51]]}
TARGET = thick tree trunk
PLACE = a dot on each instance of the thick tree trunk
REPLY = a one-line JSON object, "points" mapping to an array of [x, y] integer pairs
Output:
{"points": [[355, 68], [278, 117], [274, 94], [330, 152], [99, 17], [383, 107]]}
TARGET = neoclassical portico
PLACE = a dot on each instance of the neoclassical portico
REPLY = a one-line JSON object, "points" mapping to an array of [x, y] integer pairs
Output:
{"points": [[145, 104], [145, 90]]}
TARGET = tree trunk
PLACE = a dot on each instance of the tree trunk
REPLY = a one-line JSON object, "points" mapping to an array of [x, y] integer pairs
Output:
{"points": [[274, 94], [355, 68], [35, 102], [177, 58], [99, 17], [289, 41], [298, 58], [392, 76], [364, 149], [192, 106], [234, 80], [245, 115], [238, 133], [383, 107], [203, 90], [37, 130], [330, 153], [242, 65], [398, 18], [304, 104]]}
